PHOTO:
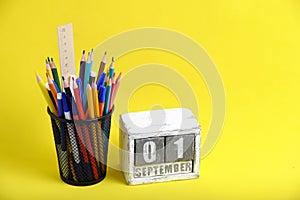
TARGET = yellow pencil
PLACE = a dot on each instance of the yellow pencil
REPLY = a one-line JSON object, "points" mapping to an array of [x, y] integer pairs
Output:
{"points": [[45, 94], [90, 101], [48, 69], [99, 154], [96, 102], [89, 95]]}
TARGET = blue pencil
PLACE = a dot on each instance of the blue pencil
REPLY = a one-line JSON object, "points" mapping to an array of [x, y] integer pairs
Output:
{"points": [[88, 69], [107, 98], [56, 86]]}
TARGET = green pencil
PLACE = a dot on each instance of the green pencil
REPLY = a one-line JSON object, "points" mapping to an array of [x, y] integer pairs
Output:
{"points": [[55, 74]]}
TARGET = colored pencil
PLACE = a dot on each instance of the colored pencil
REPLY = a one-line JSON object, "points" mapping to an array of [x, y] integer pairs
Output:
{"points": [[88, 68], [92, 77], [50, 95], [95, 100], [78, 101], [108, 92], [102, 66], [55, 74], [111, 93], [79, 131], [79, 83], [45, 94], [89, 94], [117, 84], [82, 66], [53, 89], [48, 69], [112, 68]]}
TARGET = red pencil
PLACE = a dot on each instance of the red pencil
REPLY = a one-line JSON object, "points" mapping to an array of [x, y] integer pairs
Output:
{"points": [[82, 116], [78, 100], [80, 134]]}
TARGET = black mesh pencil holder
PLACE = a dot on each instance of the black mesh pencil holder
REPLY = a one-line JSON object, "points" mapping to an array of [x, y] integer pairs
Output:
{"points": [[81, 147]]}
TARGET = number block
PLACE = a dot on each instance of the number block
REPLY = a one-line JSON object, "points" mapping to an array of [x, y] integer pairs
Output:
{"points": [[149, 151], [179, 148], [159, 145]]}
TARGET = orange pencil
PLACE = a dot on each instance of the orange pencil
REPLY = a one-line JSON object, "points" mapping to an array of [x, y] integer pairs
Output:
{"points": [[53, 89]]}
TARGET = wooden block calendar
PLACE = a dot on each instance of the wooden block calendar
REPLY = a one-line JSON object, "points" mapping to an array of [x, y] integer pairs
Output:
{"points": [[159, 145]]}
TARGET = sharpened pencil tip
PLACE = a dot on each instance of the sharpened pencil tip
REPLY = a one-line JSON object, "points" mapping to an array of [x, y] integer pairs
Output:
{"points": [[88, 87], [48, 59], [38, 78], [89, 57], [63, 78], [112, 59], [83, 52], [104, 57], [52, 60], [49, 79]]}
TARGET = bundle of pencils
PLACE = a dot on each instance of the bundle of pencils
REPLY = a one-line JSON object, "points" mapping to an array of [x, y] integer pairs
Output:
{"points": [[82, 149], [93, 93]]}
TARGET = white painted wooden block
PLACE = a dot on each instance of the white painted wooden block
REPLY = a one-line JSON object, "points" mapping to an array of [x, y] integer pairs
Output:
{"points": [[159, 145]]}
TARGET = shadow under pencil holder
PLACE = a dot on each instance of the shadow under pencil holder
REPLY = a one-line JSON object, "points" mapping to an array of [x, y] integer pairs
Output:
{"points": [[81, 147]]}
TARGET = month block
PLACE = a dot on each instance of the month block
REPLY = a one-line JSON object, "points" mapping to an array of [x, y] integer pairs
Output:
{"points": [[159, 145]]}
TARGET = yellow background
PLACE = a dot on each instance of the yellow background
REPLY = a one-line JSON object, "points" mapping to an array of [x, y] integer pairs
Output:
{"points": [[255, 45]]}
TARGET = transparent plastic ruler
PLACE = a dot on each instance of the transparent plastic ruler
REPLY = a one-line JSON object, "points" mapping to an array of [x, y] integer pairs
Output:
{"points": [[66, 50]]}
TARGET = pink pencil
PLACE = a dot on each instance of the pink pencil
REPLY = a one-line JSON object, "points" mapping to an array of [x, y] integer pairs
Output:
{"points": [[113, 86], [115, 89]]}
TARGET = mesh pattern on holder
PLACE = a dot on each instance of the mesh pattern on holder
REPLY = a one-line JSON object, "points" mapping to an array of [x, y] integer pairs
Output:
{"points": [[81, 147]]}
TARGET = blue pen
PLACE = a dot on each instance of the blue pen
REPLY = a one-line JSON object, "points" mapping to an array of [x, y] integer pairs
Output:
{"points": [[101, 99], [62, 125], [71, 131], [101, 81]]}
